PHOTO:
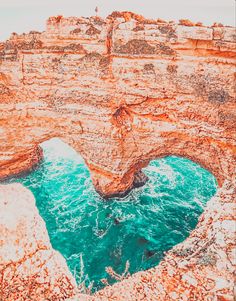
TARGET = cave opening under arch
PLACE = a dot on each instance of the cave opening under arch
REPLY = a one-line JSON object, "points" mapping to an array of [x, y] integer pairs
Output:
{"points": [[93, 234]]}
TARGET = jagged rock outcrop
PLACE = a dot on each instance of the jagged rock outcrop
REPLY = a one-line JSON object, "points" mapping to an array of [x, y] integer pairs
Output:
{"points": [[121, 91], [30, 269]]}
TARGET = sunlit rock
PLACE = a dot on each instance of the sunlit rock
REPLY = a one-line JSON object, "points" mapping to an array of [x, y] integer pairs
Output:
{"points": [[29, 266]]}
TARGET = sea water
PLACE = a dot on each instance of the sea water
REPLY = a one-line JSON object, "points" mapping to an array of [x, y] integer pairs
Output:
{"points": [[92, 233]]}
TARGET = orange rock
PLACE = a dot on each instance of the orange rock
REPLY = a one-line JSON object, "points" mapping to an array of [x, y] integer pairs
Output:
{"points": [[186, 22], [122, 101]]}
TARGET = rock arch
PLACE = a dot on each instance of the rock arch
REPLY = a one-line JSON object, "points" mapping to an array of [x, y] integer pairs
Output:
{"points": [[117, 99]]}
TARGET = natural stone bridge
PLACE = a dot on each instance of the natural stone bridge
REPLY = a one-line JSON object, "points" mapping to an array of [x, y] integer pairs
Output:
{"points": [[120, 91]]}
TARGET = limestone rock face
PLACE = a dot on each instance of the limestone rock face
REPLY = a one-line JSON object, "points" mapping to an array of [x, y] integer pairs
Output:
{"points": [[30, 268], [122, 91]]}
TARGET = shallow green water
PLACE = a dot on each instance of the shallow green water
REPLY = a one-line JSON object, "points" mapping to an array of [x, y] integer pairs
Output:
{"points": [[93, 234]]}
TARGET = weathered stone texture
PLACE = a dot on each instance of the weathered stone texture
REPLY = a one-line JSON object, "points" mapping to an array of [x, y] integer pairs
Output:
{"points": [[30, 269]]}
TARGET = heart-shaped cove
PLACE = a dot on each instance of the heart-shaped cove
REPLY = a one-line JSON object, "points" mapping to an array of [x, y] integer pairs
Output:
{"points": [[93, 234]]}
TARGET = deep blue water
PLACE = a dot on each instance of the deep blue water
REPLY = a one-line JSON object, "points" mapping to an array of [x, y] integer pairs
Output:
{"points": [[92, 233]]}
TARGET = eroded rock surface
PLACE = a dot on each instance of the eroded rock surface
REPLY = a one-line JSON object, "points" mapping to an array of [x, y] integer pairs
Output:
{"points": [[30, 269], [121, 91]]}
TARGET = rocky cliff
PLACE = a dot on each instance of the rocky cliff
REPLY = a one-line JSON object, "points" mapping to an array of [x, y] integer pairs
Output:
{"points": [[121, 91]]}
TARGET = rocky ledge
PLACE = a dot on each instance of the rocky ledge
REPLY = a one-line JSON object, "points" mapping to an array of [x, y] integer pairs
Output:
{"points": [[29, 267]]}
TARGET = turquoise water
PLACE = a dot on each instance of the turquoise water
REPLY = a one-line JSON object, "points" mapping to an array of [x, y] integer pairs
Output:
{"points": [[92, 233]]}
